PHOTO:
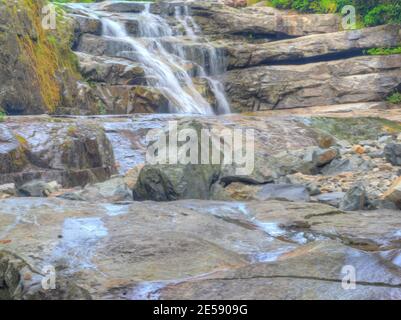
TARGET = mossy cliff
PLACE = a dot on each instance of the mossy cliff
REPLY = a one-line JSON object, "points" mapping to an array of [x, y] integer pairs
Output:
{"points": [[38, 71]]}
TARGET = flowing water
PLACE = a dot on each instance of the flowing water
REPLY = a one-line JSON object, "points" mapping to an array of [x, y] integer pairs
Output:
{"points": [[164, 55]]}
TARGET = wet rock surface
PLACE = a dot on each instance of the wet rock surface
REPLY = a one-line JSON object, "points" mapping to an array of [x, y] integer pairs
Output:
{"points": [[270, 234], [276, 249], [314, 153], [50, 149]]}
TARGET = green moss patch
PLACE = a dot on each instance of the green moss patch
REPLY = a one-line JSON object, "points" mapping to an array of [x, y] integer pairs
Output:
{"points": [[356, 129]]}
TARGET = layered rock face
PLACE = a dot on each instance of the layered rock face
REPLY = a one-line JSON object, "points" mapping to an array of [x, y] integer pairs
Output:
{"points": [[172, 57], [278, 59], [354, 80], [259, 22], [314, 67], [38, 73], [71, 153]]}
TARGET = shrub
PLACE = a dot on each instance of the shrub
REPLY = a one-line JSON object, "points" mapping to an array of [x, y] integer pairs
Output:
{"points": [[281, 4], [2, 116], [383, 14], [371, 12], [395, 98], [383, 51]]}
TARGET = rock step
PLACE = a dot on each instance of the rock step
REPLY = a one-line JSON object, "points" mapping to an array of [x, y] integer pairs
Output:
{"points": [[218, 19], [324, 46], [114, 71], [189, 53], [360, 79], [127, 99], [93, 25]]}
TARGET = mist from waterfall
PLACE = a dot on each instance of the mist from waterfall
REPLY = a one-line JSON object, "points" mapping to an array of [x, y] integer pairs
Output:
{"points": [[165, 62]]}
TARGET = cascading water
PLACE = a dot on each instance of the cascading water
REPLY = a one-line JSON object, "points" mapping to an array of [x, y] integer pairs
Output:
{"points": [[165, 59], [216, 60]]}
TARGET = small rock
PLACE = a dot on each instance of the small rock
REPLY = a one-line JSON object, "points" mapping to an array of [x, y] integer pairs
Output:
{"points": [[316, 158], [393, 194], [376, 154], [385, 139], [358, 149], [354, 199], [313, 189], [392, 152], [385, 167], [369, 143], [288, 192], [7, 190], [38, 188], [331, 198]]}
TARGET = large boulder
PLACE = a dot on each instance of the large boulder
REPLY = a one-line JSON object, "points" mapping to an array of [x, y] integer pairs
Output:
{"points": [[70, 152], [173, 182], [276, 149]]}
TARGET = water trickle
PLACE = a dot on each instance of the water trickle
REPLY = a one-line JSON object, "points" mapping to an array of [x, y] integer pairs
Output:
{"points": [[169, 60], [77, 245]]}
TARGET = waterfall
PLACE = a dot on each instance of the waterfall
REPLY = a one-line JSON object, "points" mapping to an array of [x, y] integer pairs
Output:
{"points": [[216, 59], [164, 57]]}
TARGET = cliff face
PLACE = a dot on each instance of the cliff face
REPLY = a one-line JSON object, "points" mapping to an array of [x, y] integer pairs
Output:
{"points": [[37, 69], [278, 59], [275, 59]]}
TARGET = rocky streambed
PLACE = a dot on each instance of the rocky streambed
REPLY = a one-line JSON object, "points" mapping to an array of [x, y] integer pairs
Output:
{"points": [[285, 231]]}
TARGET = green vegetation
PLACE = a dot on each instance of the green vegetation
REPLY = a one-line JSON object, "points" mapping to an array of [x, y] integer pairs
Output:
{"points": [[91, 1], [48, 53], [356, 129], [66, 1], [2, 116], [394, 98], [101, 108], [370, 12], [383, 51]]}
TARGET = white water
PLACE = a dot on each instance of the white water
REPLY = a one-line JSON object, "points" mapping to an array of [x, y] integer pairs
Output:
{"points": [[216, 60], [164, 64]]}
